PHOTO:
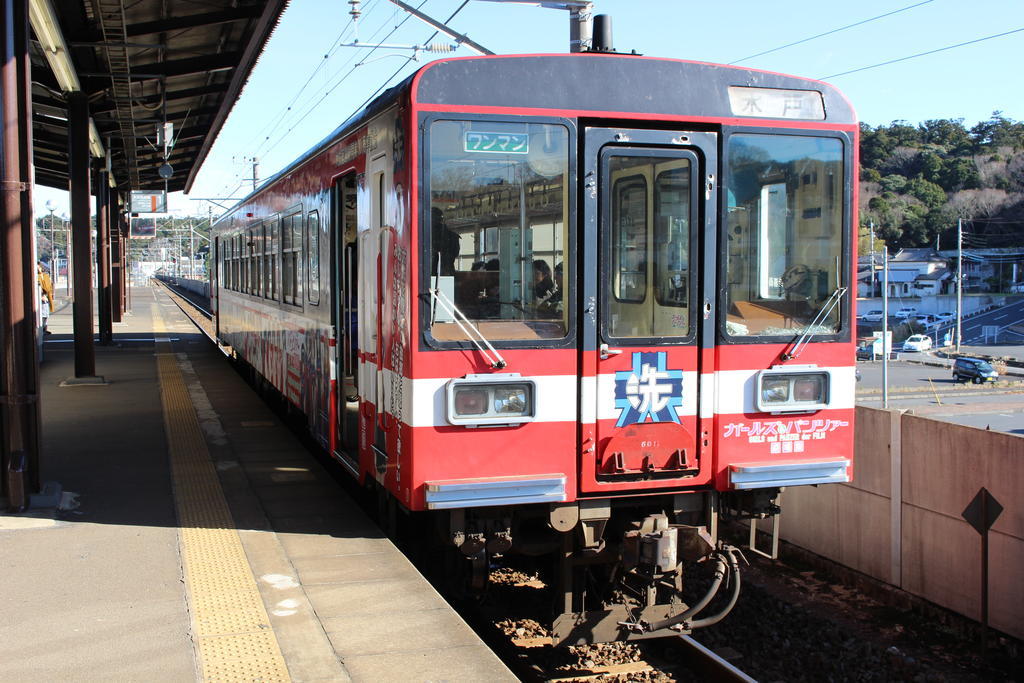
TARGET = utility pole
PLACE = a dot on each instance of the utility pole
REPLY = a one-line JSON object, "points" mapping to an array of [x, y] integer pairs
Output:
{"points": [[871, 227], [959, 279], [255, 172], [885, 326]]}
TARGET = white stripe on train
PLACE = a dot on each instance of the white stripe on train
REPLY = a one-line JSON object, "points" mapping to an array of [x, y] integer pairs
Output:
{"points": [[423, 400]]}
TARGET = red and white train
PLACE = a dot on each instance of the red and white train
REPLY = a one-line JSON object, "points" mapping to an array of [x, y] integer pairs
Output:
{"points": [[581, 304]]}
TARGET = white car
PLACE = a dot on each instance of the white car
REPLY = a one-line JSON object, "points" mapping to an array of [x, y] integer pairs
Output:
{"points": [[917, 342], [906, 313], [874, 316], [945, 317]]}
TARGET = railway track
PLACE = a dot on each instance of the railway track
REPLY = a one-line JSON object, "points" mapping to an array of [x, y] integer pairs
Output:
{"points": [[200, 316]]}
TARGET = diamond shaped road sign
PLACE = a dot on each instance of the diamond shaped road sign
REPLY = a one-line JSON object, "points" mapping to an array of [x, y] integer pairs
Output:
{"points": [[983, 511]]}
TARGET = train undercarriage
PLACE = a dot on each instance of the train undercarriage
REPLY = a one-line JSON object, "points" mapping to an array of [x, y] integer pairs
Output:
{"points": [[618, 569]]}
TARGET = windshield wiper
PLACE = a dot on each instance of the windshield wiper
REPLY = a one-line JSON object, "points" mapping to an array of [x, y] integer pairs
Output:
{"points": [[826, 309], [469, 329]]}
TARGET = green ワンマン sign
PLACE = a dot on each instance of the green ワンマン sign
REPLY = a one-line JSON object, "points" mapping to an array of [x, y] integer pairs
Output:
{"points": [[507, 143]]}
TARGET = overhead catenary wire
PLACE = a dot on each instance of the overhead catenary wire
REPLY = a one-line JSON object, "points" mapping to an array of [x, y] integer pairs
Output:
{"points": [[352, 70], [922, 54], [828, 33], [241, 181], [336, 85], [275, 121]]}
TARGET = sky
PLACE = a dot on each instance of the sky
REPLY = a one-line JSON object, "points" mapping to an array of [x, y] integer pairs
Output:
{"points": [[305, 83]]}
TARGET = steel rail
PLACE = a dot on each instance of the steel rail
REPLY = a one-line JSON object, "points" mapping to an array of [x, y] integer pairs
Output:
{"points": [[708, 665]]}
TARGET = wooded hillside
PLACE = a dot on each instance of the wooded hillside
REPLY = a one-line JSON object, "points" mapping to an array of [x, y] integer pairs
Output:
{"points": [[916, 181]]}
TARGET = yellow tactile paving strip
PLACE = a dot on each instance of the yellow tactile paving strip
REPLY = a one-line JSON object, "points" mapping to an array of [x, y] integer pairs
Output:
{"points": [[230, 626]]}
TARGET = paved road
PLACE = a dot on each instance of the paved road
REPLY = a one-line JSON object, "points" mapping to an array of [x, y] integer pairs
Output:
{"points": [[973, 327], [930, 391], [1007, 341]]}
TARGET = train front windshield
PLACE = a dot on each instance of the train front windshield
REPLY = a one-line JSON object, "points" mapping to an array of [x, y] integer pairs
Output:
{"points": [[784, 252], [498, 228]]}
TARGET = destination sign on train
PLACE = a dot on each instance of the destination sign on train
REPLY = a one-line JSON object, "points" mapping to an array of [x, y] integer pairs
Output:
{"points": [[776, 103], [509, 143]]}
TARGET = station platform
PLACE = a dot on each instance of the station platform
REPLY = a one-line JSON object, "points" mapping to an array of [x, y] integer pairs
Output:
{"points": [[195, 538]]}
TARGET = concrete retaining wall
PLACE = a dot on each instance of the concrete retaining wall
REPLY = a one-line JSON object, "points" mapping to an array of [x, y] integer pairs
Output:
{"points": [[200, 287], [900, 520]]}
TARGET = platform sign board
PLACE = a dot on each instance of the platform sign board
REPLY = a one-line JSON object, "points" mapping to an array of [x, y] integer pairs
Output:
{"points": [[143, 226], [148, 201]]}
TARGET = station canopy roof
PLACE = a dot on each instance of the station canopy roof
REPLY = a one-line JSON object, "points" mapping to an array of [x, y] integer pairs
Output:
{"points": [[142, 64]]}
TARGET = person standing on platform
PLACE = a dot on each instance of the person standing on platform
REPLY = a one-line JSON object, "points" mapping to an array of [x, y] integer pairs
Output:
{"points": [[45, 283]]}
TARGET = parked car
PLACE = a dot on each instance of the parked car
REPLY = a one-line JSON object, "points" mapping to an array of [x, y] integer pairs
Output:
{"points": [[928, 320], [917, 342], [946, 317], [906, 313], [873, 316], [973, 369]]}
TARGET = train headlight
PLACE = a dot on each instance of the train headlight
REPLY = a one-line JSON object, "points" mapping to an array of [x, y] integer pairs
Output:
{"points": [[793, 389], [491, 400], [470, 401]]}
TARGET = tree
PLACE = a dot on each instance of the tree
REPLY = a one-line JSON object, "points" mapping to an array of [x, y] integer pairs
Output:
{"points": [[978, 203], [904, 134], [893, 183], [998, 131], [931, 166], [959, 174], [947, 133], [875, 146], [927, 192]]}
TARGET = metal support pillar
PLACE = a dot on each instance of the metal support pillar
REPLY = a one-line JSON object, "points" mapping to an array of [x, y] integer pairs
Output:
{"points": [[19, 402], [78, 171], [106, 329], [116, 260]]}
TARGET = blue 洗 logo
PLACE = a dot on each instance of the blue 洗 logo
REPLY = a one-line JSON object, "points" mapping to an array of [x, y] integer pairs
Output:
{"points": [[649, 390]]}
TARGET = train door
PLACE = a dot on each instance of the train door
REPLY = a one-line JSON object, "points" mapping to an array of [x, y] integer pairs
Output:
{"points": [[216, 274], [344, 275], [648, 323], [373, 254]]}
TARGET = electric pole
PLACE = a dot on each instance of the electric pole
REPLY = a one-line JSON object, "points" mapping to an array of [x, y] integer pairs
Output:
{"points": [[886, 346], [871, 227], [959, 279]]}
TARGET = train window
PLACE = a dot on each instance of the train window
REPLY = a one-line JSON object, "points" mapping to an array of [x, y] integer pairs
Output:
{"points": [[270, 248], [250, 246], [246, 262], [256, 257], [291, 261], [225, 256], [649, 245], [784, 230], [236, 265], [313, 254], [672, 243], [498, 228], [629, 236]]}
